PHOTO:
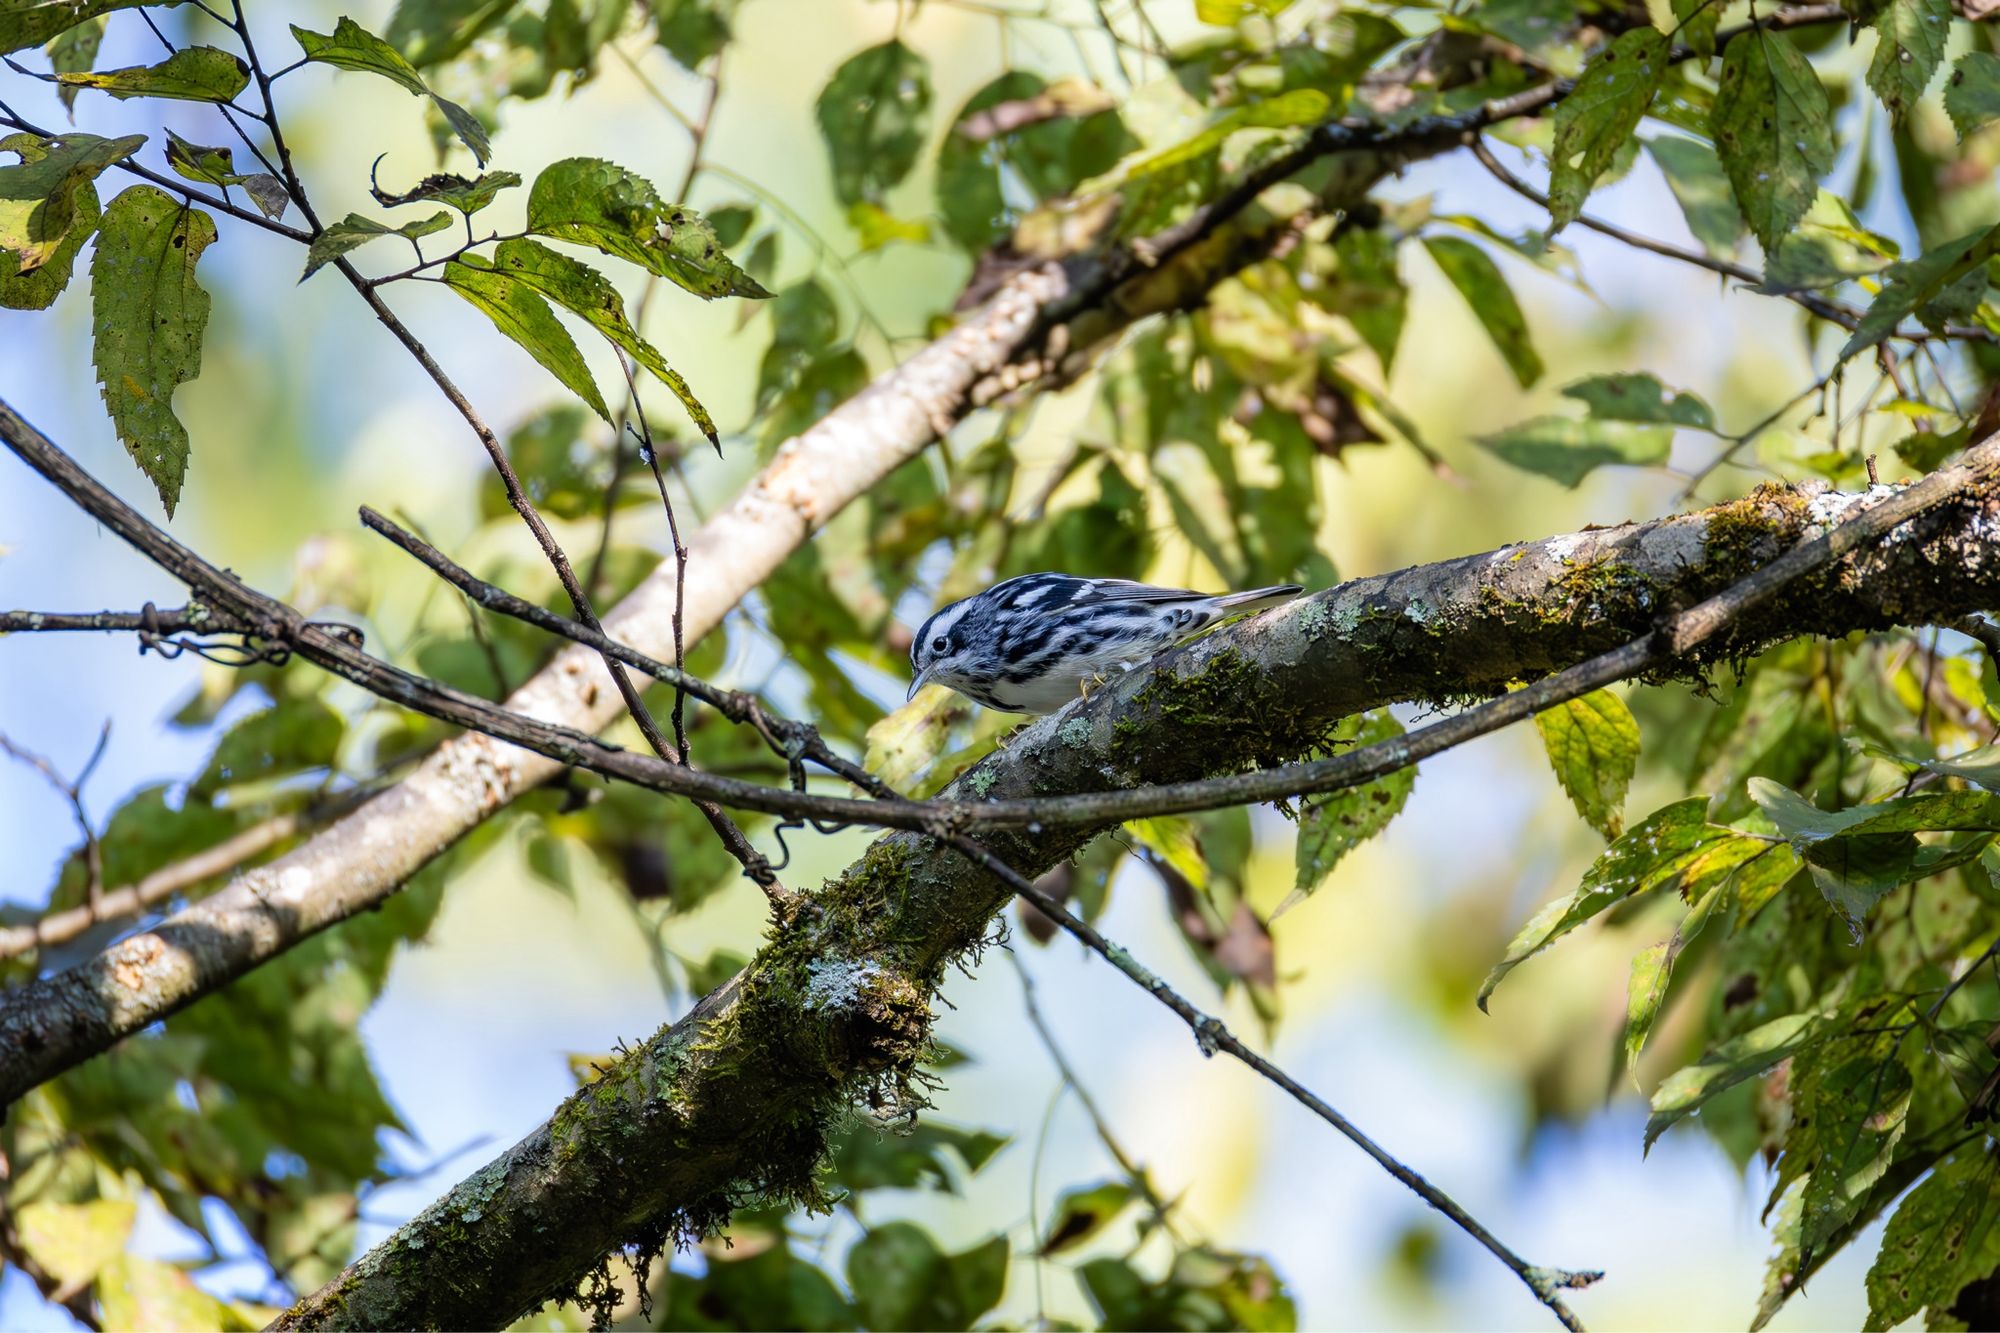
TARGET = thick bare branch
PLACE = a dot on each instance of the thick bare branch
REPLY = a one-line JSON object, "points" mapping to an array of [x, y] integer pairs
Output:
{"points": [[733, 1099]]}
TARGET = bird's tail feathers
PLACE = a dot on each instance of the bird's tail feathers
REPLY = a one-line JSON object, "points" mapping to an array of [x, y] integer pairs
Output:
{"points": [[1259, 598]]}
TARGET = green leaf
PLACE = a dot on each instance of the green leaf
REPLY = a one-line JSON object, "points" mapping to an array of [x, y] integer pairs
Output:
{"points": [[74, 1241], [1909, 45], [1674, 848], [38, 288], [583, 291], [1858, 1112], [25, 23], [354, 231], [1694, 173], [1972, 93], [191, 74], [145, 1293], [217, 166], [602, 205], [872, 115], [1828, 248], [1728, 1064], [901, 1280], [875, 227], [1479, 281], [1593, 745], [467, 196], [1598, 117], [431, 32], [771, 1288], [1082, 1213], [74, 52], [866, 1158], [1366, 288], [1334, 825], [293, 736], [1696, 21], [1942, 1237], [39, 197], [149, 314], [1228, 13], [352, 47], [1653, 969], [1911, 286], [690, 30], [1640, 398], [1773, 130], [520, 313], [1567, 450]]}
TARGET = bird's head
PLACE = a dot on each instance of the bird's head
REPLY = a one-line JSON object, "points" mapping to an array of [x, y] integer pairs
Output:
{"points": [[939, 652]]}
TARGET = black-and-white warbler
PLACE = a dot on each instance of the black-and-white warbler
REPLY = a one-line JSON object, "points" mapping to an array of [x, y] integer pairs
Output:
{"points": [[1033, 643]]}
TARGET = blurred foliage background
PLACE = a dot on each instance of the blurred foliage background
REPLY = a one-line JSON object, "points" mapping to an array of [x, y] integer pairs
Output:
{"points": [[1389, 390]]}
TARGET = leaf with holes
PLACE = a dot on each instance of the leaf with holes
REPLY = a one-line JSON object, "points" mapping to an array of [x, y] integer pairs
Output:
{"points": [[1333, 825], [1909, 45], [39, 197], [1972, 93], [1773, 130], [1480, 282], [1598, 117], [191, 74], [217, 166], [583, 291], [1945, 1234], [1726, 1065], [600, 204], [453, 191], [25, 23], [149, 314], [521, 314]]}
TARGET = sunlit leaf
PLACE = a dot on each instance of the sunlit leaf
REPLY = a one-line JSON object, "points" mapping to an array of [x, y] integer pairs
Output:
{"points": [[1859, 1110], [38, 288], [149, 316], [1653, 970], [191, 74], [1914, 286], [1674, 848], [1728, 1064], [467, 196], [1593, 745], [74, 1241], [600, 204], [145, 1293], [39, 197]]}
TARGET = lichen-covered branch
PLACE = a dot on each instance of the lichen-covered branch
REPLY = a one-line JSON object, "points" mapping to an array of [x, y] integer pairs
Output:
{"points": [[733, 1101]]}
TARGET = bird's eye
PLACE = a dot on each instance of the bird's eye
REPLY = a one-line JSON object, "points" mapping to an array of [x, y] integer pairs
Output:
{"points": [[940, 644]]}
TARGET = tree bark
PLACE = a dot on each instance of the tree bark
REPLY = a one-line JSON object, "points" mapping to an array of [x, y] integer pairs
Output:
{"points": [[734, 1100]]}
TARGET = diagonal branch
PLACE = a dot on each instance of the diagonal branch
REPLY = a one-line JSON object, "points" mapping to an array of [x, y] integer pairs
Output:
{"points": [[732, 1101]]}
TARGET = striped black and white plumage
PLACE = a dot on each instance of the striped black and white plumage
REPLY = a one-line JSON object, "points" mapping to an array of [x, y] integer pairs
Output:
{"points": [[1031, 644]]}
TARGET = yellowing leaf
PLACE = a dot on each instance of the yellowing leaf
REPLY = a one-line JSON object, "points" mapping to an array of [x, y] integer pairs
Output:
{"points": [[1598, 118], [74, 1241], [1593, 745], [191, 74]]}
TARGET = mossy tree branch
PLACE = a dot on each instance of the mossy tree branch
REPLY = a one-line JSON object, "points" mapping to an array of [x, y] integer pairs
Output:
{"points": [[733, 1102]]}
